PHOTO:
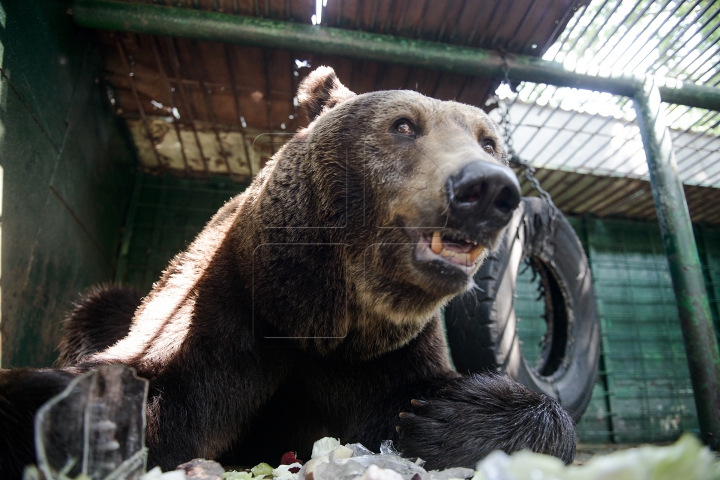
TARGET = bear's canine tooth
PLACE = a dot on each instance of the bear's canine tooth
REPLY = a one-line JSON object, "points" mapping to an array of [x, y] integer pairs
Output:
{"points": [[436, 244], [476, 252]]}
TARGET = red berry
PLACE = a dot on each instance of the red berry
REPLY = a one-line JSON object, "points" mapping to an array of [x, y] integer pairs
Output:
{"points": [[289, 458]]}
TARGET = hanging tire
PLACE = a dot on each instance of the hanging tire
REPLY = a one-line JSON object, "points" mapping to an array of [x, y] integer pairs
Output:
{"points": [[481, 324]]}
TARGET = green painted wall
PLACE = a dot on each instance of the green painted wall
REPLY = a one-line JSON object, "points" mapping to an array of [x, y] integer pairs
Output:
{"points": [[67, 172]]}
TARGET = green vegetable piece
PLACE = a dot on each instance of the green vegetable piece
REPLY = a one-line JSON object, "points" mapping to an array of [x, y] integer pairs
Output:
{"points": [[240, 476], [686, 459], [262, 469]]}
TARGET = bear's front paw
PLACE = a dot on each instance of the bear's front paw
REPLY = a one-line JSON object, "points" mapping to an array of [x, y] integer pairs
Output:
{"points": [[424, 431], [472, 416]]}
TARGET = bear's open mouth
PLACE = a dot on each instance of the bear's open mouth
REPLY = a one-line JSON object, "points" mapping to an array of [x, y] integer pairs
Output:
{"points": [[449, 247]]}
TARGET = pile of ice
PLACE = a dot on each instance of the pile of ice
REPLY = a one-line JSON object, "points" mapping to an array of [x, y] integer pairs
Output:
{"points": [[686, 459], [331, 461]]}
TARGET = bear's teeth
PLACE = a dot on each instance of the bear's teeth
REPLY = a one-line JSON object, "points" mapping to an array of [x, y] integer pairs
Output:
{"points": [[436, 245], [476, 252]]}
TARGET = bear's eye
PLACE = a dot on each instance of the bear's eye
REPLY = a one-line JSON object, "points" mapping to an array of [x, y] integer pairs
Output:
{"points": [[489, 147], [404, 127]]}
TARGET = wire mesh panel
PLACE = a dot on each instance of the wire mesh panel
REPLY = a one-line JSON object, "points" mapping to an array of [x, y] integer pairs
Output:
{"points": [[650, 392], [709, 249], [168, 212], [643, 392], [529, 313]]}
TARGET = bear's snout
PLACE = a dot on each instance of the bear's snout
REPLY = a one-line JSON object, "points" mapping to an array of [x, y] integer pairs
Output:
{"points": [[483, 196]]}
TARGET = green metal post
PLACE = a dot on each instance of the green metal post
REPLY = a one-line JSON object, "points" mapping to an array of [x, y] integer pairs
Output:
{"points": [[685, 268]]}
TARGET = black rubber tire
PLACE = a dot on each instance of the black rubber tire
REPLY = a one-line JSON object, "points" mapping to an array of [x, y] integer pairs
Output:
{"points": [[481, 324]]}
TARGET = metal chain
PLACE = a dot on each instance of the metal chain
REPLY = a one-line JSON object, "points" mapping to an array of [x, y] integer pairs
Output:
{"points": [[505, 112], [514, 160]]}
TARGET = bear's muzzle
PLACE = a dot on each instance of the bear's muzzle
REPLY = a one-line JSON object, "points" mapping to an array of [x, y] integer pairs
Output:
{"points": [[482, 196]]}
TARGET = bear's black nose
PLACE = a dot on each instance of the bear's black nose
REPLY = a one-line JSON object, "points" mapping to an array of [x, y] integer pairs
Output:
{"points": [[483, 193]]}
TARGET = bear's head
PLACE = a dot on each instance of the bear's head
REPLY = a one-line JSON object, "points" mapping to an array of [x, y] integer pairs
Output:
{"points": [[417, 189]]}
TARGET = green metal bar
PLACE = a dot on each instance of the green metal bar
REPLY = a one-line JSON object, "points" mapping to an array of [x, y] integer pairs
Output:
{"points": [[685, 268], [262, 32]]}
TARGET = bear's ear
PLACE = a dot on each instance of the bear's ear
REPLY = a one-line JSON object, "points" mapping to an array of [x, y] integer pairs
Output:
{"points": [[321, 91]]}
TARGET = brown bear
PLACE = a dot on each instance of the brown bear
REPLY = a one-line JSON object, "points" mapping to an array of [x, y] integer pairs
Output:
{"points": [[309, 306]]}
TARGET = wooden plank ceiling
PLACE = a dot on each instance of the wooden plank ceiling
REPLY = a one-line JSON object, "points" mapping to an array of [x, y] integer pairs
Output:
{"points": [[264, 81], [199, 92]]}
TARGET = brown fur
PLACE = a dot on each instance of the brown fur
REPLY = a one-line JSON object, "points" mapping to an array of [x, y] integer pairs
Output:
{"points": [[101, 317], [300, 311]]}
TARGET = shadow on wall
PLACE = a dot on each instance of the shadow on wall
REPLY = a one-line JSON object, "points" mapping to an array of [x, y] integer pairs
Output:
{"points": [[67, 171]]}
